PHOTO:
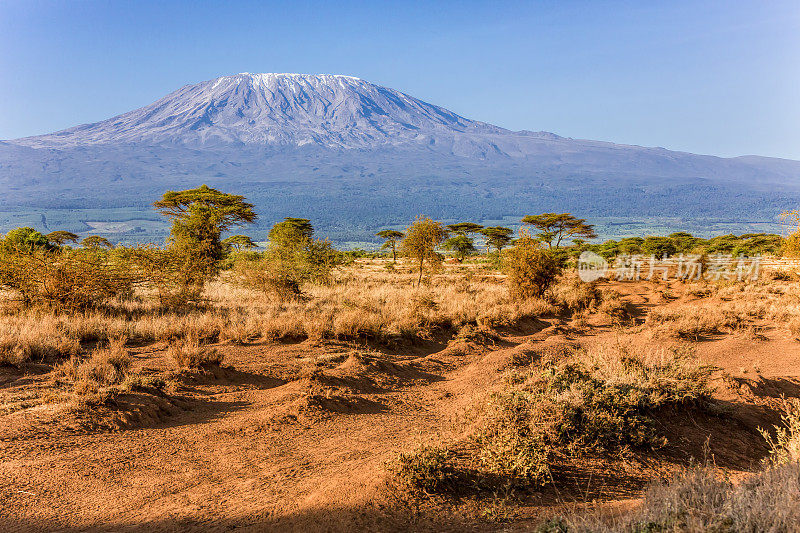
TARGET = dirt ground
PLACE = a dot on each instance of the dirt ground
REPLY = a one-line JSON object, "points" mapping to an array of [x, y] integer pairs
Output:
{"points": [[297, 436]]}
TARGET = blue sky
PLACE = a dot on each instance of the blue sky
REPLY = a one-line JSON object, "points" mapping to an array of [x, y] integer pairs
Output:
{"points": [[707, 77]]}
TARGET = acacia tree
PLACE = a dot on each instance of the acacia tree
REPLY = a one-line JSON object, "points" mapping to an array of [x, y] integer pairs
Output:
{"points": [[239, 242], [465, 228], [530, 268], [199, 216], [790, 220], [96, 241], [556, 226], [497, 236], [61, 237], [292, 232], [461, 245], [422, 238], [392, 237]]}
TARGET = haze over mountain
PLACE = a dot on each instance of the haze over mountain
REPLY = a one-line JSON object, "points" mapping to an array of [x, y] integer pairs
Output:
{"points": [[355, 156]]}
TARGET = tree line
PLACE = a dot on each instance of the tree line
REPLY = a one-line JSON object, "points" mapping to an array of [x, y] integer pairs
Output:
{"points": [[48, 268]]}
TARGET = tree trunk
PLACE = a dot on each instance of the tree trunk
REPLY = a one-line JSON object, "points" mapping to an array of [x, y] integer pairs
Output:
{"points": [[419, 280]]}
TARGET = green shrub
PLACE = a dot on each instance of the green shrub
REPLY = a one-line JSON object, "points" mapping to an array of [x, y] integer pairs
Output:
{"points": [[514, 442], [284, 268]]}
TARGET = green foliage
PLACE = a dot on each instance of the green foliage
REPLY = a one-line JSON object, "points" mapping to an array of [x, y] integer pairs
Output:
{"points": [[497, 237], [239, 242], [465, 228], [199, 216], [749, 244], [60, 237], [176, 277], [659, 246], [96, 241], [69, 279], [791, 245], [557, 226], [582, 405], [531, 269], [461, 245], [24, 239], [554, 525], [291, 232], [513, 442], [292, 259], [392, 237]]}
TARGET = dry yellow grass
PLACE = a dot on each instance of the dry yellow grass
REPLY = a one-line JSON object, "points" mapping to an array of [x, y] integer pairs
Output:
{"points": [[99, 375], [729, 307], [366, 301]]}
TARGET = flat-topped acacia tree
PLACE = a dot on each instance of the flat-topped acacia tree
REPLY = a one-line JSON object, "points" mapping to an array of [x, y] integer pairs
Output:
{"points": [[239, 242], [465, 228], [291, 233], [96, 242], [392, 237], [61, 237], [461, 245], [497, 236], [556, 226], [199, 216]]}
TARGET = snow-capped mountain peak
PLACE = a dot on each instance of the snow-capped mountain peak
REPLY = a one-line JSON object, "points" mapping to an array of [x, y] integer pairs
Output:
{"points": [[275, 109]]}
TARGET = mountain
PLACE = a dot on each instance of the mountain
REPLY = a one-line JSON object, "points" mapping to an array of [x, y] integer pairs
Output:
{"points": [[355, 156], [275, 109]]}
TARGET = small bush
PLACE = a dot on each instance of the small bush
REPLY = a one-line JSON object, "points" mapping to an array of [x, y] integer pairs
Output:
{"points": [[174, 275], [785, 445], [575, 295], [514, 441], [284, 269], [593, 402], [20, 343], [428, 469], [189, 353], [99, 376], [694, 322], [700, 500], [530, 268]]}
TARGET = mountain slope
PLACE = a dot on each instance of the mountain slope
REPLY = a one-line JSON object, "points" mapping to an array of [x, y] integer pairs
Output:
{"points": [[354, 155], [278, 109]]}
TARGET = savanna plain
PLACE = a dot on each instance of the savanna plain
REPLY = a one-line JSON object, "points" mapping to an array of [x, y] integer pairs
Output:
{"points": [[304, 389]]}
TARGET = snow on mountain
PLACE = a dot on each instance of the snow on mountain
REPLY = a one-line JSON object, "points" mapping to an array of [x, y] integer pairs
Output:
{"points": [[275, 109]]}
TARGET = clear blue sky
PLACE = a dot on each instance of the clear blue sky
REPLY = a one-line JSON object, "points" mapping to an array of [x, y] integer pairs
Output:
{"points": [[707, 77]]}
